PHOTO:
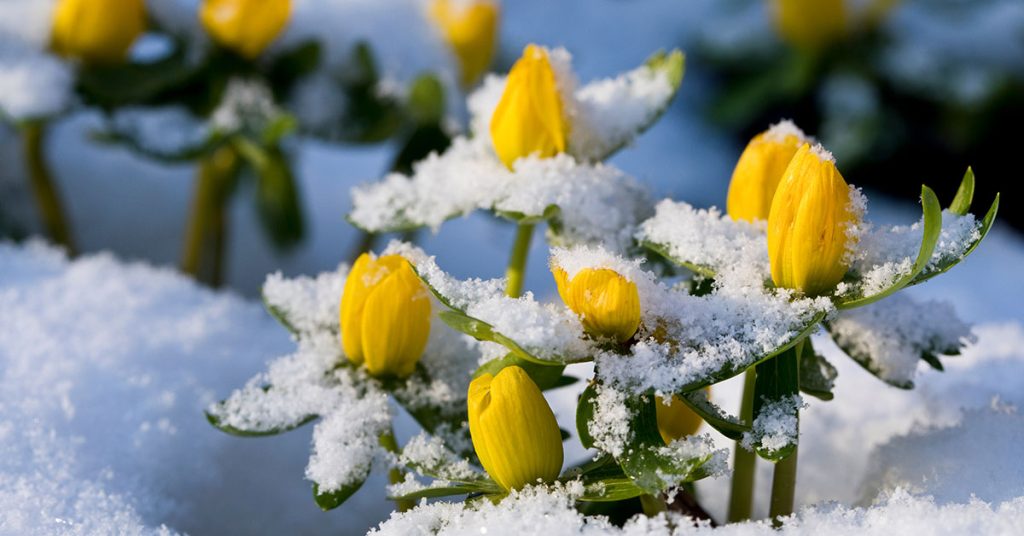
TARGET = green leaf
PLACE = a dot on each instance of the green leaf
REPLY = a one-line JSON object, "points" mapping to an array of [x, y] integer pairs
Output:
{"points": [[333, 499], [728, 425], [866, 361], [424, 140], [663, 251], [214, 420], [482, 331], [125, 84], [291, 65], [277, 196], [550, 212], [929, 237], [778, 380], [817, 375], [610, 490], [585, 414], [545, 376], [487, 487], [280, 315], [933, 361], [964, 195], [943, 267], [426, 100], [673, 65]]}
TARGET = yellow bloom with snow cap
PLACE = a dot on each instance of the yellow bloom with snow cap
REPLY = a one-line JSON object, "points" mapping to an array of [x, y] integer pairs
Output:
{"points": [[810, 24], [470, 27], [675, 420], [514, 431], [759, 170], [97, 31], [245, 26], [385, 315], [809, 222], [529, 119], [608, 304]]}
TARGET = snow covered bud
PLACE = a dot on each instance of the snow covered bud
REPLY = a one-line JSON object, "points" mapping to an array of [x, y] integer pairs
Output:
{"points": [[245, 26], [608, 303], [808, 224], [810, 24], [759, 170], [385, 315], [514, 432], [676, 420], [470, 28], [97, 31], [528, 119]]}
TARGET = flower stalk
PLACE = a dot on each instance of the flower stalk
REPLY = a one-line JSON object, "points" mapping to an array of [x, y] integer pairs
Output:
{"points": [[784, 477], [206, 235], [741, 497], [44, 190], [395, 474], [516, 271]]}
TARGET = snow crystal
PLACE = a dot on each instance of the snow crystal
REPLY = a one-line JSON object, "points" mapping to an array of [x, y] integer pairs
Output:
{"points": [[776, 425], [542, 511], [822, 153], [33, 83], [694, 447], [346, 441], [597, 203], [890, 336], [784, 129], [886, 253], [308, 304], [735, 252], [610, 426]]}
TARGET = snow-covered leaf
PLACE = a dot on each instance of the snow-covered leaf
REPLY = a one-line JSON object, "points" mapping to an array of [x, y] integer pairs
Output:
{"points": [[728, 425], [817, 375], [333, 499], [774, 432]]}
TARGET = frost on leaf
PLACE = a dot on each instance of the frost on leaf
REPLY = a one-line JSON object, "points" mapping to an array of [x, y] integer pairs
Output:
{"points": [[891, 337]]}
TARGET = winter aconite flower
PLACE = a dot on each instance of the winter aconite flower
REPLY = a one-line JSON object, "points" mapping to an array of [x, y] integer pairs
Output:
{"points": [[529, 119], [608, 303], [245, 26], [470, 29], [810, 24], [675, 420], [759, 170], [809, 223], [514, 432], [97, 31], [385, 315]]}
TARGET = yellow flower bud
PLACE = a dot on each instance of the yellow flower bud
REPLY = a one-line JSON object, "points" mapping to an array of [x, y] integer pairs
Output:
{"points": [[97, 31], [385, 315], [528, 119], [759, 170], [808, 224], [470, 27], [245, 26], [810, 24], [514, 432], [608, 303], [675, 420]]}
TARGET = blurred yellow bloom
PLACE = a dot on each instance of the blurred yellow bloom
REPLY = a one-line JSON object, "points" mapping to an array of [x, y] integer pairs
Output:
{"points": [[675, 420], [758, 172], [245, 26], [528, 119], [97, 31], [385, 315], [470, 27], [608, 303], [808, 224], [810, 24], [514, 432]]}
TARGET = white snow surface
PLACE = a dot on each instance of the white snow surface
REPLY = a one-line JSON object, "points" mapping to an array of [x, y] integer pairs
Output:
{"points": [[33, 83]]}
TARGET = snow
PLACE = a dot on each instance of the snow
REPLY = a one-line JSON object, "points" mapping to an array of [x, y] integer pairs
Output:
{"points": [[33, 84], [776, 425]]}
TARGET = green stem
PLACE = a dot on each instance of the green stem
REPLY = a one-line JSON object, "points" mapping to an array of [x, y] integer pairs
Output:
{"points": [[784, 477], [741, 499], [48, 200], [517, 262], [206, 235], [652, 505], [395, 475], [783, 488]]}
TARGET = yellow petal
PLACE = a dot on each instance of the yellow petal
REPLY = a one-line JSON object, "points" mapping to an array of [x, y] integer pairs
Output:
{"points": [[676, 420], [528, 119], [470, 30], [608, 303], [757, 175], [245, 26], [808, 224], [97, 31], [514, 431], [562, 282], [396, 323], [810, 24]]}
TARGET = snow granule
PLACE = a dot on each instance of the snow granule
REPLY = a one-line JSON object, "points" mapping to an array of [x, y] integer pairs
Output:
{"points": [[888, 337], [822, 153], [783, 129], [610, 426], [776, 425], [346, 441]]}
